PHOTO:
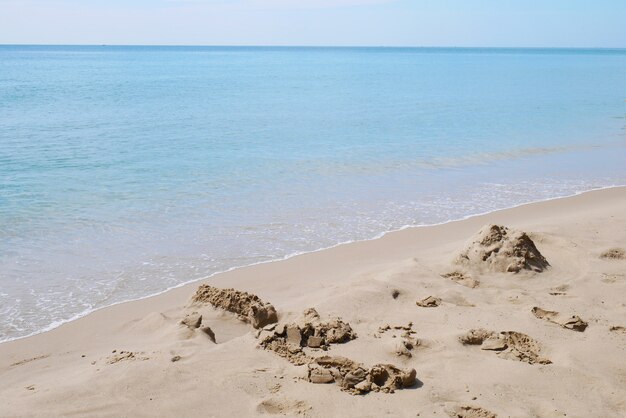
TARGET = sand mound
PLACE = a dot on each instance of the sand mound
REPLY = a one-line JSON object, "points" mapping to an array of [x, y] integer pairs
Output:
{"points": [[354, 378], [308, 331], [572, 322], [429, 302], [501, 249], [247, 306], [193, 321], [462, 279], [471, 412], [507, 344], [614, 254]]}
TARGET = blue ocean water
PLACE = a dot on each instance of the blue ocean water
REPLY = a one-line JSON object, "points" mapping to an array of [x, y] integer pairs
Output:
{"points": [[125, 171]]}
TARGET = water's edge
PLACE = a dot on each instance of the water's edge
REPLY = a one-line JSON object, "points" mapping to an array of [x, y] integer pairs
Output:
{"points": [[295, 254]]}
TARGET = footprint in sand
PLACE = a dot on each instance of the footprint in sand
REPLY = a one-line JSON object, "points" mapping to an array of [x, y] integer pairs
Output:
{"points": [[28, 360], [612, 278], [614, 254], [403, 338], [471, 412], [126, 356], [559, 290], [462, 279], [276, 406], [509, 345], [572, 322]]}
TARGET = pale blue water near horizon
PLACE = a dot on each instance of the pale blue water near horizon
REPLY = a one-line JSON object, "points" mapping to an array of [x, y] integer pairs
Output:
{"points": [[125, 171]]}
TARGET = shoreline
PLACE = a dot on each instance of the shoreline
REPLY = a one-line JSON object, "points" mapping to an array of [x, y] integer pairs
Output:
{"points": [[81, 315], [135, 358]]}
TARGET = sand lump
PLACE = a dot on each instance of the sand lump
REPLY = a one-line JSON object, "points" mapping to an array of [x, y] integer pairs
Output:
{"points": [[510, 345], [572, 322], [308, 331], [193, 321], [247, 306], [429, 302], [500, 249], [289, 341], [355, 378]]}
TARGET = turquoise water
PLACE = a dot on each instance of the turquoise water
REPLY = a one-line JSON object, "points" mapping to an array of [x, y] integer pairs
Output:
{"points": [[125, 171]]}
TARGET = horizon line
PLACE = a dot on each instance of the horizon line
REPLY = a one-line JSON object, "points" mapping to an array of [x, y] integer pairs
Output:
{"points": [[313, 46]]}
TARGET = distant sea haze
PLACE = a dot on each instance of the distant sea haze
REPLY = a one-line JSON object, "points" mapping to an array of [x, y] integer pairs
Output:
{"points": [[125, 171]]}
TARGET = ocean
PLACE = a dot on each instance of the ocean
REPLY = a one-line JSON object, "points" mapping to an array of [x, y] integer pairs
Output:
{"points": [[126, 171]]}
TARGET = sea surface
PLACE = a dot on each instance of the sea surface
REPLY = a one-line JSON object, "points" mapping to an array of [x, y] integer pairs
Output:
{"points": [[125, 171]]}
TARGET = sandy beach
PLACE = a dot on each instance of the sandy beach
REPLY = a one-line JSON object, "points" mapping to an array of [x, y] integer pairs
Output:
{"points": [[500, 324]]}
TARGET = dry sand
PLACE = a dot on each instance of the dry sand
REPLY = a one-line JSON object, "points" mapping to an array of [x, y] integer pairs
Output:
{"points": [[478, 347]]}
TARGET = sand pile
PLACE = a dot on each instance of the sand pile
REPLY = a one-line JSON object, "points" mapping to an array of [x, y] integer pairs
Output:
{"points": [[354, 378], [500, 249], [572, 322], [507, 344], [248, 307], [287, 340]]}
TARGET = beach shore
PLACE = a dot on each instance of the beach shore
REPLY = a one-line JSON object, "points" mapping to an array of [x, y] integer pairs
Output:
{"points": [[137, 359]]}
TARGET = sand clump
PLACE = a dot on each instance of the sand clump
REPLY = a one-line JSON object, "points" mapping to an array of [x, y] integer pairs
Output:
{"points": [[289, 341], [572, 322], [471, 412], [614, 254], [618, 329], [193, 322], [510, 345], [462, 279], [356, 379], [500, 249], [250, 308], [429, 302]]}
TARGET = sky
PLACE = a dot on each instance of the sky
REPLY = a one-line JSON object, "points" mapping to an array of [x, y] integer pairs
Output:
{"points": [[496, 23]]}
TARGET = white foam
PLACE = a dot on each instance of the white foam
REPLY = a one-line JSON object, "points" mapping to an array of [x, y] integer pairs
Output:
{"points": [[58, 323]]}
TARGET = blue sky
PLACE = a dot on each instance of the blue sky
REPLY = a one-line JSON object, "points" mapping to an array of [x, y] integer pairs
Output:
{"points": [[550, 23]]}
